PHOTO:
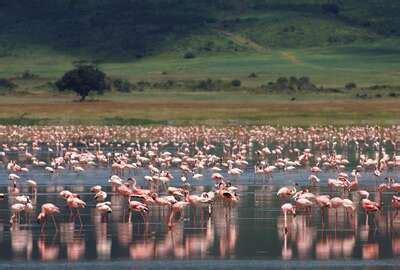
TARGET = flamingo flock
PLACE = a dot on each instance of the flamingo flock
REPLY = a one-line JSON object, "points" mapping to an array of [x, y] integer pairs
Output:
{"points": [[175, 170]]}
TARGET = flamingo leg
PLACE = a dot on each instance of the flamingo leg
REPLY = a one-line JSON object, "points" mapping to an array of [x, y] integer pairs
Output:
{"points": [[79, 216], [170, 221], [376, 225], [144, 219], [54, 222], [44, 224], [71, 214], [285, 219]]}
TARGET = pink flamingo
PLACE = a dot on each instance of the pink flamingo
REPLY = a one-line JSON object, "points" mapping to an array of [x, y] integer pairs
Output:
{"points": [[75, 203], [288, 209], [324, 202], [48, 209], [104, 208], [395, 205], [369, 207], [176, 209], [286, 192], [336, 202], [139, 207]]}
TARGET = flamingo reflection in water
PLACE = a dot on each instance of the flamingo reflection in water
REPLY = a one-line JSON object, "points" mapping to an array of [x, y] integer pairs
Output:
{"points": [[164, 163], [48, 251]]}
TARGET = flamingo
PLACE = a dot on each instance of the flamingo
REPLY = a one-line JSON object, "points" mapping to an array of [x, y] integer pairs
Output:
{"points": [[217, 176], [16, 210], [288, 209], [75, 203], [139, 207], [100, 196], [47, 209], [104, 208], [324, 202], [395, 205], [96, 189], [369, 207], [176, 209], [303, 203], [349, 207], [286, 192], [33, 186], [336, 202], [314, 180]]}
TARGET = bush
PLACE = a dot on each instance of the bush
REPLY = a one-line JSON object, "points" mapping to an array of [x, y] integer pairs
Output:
{"points": [[6, 84], [350, 86], [140, 85], [293, 83], [28, 75], [362, 95], [236, 83], [282, 83], [124, 86], [189, 55], [330, 8], [208, 85], [392, 94], [252, 75]]}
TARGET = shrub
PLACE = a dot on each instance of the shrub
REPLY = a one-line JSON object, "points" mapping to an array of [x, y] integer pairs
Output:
{"points": [[293, 83], [362, 95], [189, 55], [252, 75], [282, 83], [28, 75], [121, 85], [236, 83], [330, 8], [208, 85], [350, 86], [6, 84]]}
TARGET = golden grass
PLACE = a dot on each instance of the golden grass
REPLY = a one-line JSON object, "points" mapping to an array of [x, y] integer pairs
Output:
{"points": [[63, 110]]}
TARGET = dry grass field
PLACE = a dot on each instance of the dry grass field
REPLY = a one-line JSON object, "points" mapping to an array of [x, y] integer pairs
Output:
{"points": [[206, 110]]}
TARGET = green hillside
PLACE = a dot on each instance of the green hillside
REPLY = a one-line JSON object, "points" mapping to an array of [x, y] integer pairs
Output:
{"points": [[333, 42], [134, 28]]}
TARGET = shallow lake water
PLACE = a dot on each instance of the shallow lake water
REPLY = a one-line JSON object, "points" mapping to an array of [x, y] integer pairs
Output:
{"points": [[251, 235]]}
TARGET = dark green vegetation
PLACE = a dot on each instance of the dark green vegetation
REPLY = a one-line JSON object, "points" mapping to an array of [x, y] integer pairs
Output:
{"points": [[173, 59], [82, 80], [129, 29], [332, 42]]}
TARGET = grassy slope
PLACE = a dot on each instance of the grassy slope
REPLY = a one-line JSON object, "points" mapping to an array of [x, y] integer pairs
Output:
{"points": [[271, 43], [272, 38], [332, 66]]}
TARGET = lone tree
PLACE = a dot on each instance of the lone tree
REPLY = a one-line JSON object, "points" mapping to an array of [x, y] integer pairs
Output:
{"points": [[82, 80]]}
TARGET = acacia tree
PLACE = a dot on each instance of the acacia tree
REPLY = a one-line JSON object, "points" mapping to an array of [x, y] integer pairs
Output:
{"points": [[82, 80]]}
